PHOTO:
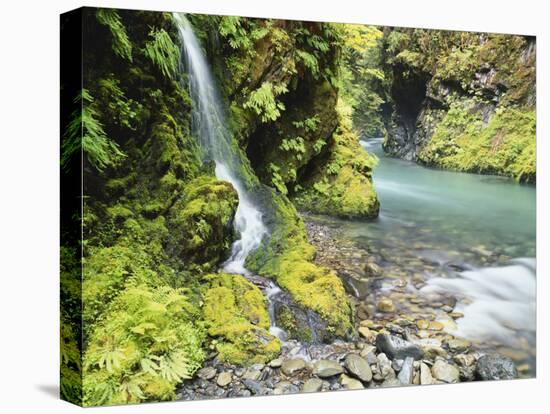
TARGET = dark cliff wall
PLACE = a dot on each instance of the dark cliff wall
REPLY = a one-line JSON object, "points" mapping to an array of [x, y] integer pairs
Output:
{"points": [[462, 101]]}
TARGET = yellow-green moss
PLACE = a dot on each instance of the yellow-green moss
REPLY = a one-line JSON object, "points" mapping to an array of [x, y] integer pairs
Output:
{"points": [[341, 185], [505, 146], [236, 316], [288, 259], [200, 222]]}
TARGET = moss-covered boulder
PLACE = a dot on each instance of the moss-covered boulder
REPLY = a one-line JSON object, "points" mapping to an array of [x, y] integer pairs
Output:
{"points": [[236, 317], [288, 258], [340, 182], [201, 222]]}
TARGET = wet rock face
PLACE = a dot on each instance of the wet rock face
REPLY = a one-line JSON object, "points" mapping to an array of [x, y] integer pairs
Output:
{"points": [[495, 367], [397, 348]]}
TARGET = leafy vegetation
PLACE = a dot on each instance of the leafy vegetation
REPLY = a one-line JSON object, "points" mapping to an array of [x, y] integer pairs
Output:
{"points": [[85, 133], [121, 43], [163, 52], [143, 303], [145, 345]]}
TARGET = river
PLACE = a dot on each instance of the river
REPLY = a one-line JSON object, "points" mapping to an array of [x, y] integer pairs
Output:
{"points": [[467, 240]]}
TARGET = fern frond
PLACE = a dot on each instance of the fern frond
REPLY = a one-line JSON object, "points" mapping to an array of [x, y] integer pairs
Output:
{"points": [[121, 43], [163, 52]]}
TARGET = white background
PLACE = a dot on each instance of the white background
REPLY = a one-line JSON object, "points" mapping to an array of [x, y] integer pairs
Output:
{"points": [[29, 150]]}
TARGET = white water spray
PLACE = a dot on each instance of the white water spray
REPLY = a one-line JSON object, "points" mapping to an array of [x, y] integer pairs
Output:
{"points": [[497, 302], [210, 125]]}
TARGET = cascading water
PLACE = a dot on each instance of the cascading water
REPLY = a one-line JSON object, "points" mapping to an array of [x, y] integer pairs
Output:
{"points": [[497, 302], [209, 125]]}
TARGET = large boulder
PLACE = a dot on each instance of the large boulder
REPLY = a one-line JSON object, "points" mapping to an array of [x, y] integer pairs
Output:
{"points": [[397, 348], [495, 367]]}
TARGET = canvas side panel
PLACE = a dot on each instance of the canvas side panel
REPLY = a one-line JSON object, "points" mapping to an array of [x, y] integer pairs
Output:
{"points": [[71, 207]]}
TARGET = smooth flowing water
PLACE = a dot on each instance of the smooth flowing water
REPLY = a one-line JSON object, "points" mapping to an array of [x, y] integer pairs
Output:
{"points": [[210, 126], [478, 230], [466, 236]]}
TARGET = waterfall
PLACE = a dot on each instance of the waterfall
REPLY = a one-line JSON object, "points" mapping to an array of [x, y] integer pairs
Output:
{"points": [[209, 125]]}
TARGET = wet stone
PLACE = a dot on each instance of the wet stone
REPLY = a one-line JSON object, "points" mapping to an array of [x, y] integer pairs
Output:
{"points": [[495, 367], [291, 366], [326, 368], [206, 373], [358, 367], [445, 372], [312, 385], [350, 383], [397, 348], [407, 371], [224, 379]]}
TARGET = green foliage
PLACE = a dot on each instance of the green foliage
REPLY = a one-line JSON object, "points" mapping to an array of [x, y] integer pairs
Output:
{"points": [[309, 61], [276, 179], [343, 185], [235, 314], [264, 103], [85, 133], [163, 52], [231, 28], [506, 145], [202, 221], [70, 329], [363, 82], [294, 145], [121, 43], [288, 259], [123, 111], [145, 345]]}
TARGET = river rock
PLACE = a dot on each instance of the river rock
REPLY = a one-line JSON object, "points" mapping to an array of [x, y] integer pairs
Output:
{"points": [[366, 333], [224, 379], [372, 269], [252, 374], [397, 348], [276, 363], [407, 371], [206, 373], [358, 367], [384, 367], [350, 383], [325, 368], [495, 367], [445, 372], [435, 326], [312, 385], [291, 366], [459, 345], [464, 360], [385, 305], [425, 375], [285, 387], [255, 387]]}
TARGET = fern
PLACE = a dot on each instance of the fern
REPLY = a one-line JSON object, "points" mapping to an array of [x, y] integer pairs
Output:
{"points": [[309, 61], [85, 133], [262, 101], [121, 43], [163, 52], [146, 344]]}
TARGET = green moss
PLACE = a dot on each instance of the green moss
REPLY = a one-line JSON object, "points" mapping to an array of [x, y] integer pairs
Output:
{"points": [[288, 259], [341, 184], [235, 314], [287, 321], [505, 146], [200, 222]]}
